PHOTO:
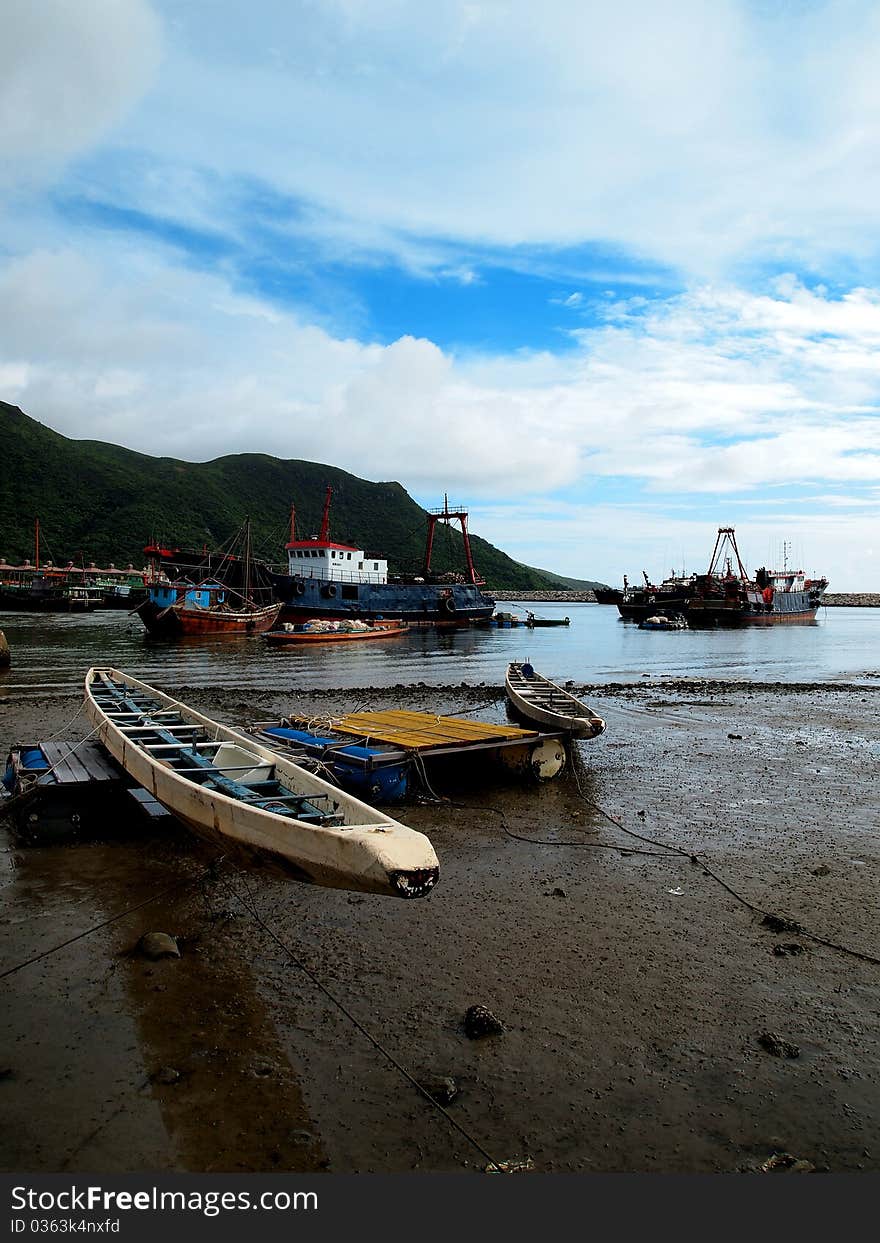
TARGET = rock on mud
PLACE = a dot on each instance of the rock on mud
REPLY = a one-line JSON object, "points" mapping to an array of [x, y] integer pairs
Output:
{"points": [[777, 1046], [478, 1022], [443, 1091], [158, 945]]}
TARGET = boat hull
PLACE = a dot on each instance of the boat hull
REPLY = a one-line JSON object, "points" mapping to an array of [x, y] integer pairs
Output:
{"points": [[791, 608], [370, 853], [174, 621], [538, 700], [450, 604], [294, 638]]}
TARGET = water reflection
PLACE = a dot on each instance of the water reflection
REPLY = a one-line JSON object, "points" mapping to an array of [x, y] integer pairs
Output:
{"points": [[51, 652]]}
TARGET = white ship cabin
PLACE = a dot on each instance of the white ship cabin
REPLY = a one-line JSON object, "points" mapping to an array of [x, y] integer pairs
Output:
{"points": [[322, 559], [788, 580]]}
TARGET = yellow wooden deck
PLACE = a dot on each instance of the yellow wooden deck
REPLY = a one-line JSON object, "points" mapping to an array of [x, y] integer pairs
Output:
{"points": [[420, 731]]}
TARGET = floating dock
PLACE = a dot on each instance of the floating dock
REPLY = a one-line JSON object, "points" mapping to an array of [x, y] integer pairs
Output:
{"points": [[70, 791], [399, 737]]}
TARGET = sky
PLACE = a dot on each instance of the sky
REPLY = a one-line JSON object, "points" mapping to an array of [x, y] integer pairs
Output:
{"points": [[608, 274]]}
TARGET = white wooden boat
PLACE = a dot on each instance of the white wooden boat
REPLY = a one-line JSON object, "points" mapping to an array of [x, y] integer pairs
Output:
{"points": [[538, 699], [230, 788]]}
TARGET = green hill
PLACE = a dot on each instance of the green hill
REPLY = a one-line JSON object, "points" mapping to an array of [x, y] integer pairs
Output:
{"points": [[99, 502]]}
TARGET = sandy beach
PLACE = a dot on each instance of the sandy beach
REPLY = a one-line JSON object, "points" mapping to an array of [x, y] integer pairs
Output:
{"points": [[653, 1020]]}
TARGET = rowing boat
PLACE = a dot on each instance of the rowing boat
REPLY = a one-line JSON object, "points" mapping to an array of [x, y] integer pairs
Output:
{"points": [[538, 699], [317, 631], [230, 788]]}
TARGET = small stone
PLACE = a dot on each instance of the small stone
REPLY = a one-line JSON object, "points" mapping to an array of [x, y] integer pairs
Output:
{"points": [[785, 1162], [777, 1046], [822, 870], [301, 1138], [738, 737], [791, 949], [478, 1022], [777, 923], [158, 945], [167, 1074], [443, 1091]]}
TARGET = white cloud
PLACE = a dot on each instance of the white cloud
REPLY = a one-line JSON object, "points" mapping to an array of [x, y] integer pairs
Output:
{"points": [[127, 347], [691, 133], [68, 73]]}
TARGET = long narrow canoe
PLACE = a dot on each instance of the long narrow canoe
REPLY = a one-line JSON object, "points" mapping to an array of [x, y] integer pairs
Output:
{"points": [[230, 788], [538, 699]]}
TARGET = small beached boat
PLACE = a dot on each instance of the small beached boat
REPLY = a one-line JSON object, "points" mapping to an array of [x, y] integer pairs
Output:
{"points": [[317, 630], [230, 788], [538, 699]]}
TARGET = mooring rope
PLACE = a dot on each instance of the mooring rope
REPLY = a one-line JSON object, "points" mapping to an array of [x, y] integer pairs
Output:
{"points": [[250, 907], [129, 910]]}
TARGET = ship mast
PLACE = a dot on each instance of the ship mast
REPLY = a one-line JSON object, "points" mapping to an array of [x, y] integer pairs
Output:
{"points": [[247, 559], [325, 520], [446, 515], [724, 539]]}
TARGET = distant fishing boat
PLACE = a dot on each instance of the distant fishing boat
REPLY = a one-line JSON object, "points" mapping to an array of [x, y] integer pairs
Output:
{"points": [[211, 607], [669, 596], [44, 587], [608, 595], [726, 596], [538, 699], [318, 630], [232, 789]]}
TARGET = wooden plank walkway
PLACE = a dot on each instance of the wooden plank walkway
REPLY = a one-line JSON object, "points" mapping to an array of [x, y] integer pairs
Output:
{"points": [[422, 731], [74, 764]]}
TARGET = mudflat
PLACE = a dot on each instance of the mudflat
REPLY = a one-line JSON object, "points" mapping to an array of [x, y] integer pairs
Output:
{"points": [[614, 920]]}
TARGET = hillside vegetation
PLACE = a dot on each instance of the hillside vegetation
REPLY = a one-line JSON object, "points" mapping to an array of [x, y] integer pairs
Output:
{"points": [[99, 502]]}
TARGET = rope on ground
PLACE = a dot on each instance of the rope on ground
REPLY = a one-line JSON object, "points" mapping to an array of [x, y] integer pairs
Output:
{"points": [[700, 862], [250, 907], [129, 910]]}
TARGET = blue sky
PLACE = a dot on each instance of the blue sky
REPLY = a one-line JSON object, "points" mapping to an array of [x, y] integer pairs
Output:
{"points": [[608, 274]]}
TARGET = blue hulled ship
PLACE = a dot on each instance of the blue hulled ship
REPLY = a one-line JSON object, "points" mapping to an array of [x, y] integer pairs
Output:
{"points": [[333, 580]]}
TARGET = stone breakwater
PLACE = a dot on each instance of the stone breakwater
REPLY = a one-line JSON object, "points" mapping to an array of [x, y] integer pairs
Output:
{"points": [[548, 597], [855, 599]]}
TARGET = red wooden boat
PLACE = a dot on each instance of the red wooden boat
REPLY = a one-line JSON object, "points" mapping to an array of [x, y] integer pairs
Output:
{"points": [[335, 632], [173, 609]]}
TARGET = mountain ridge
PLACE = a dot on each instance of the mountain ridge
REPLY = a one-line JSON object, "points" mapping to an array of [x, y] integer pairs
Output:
{"points": [[99, 501]]}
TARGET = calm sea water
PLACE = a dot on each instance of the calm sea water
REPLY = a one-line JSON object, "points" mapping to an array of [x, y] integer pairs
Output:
{"points": [[51, 652]]}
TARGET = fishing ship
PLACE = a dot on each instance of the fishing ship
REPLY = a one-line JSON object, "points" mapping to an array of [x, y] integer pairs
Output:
{"points": [[670, 596], [726, 596], [216, 597], [326, 579]]}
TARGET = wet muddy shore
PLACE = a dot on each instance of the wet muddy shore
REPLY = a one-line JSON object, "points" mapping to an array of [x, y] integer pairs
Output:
{"points": [[613, 919]]}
